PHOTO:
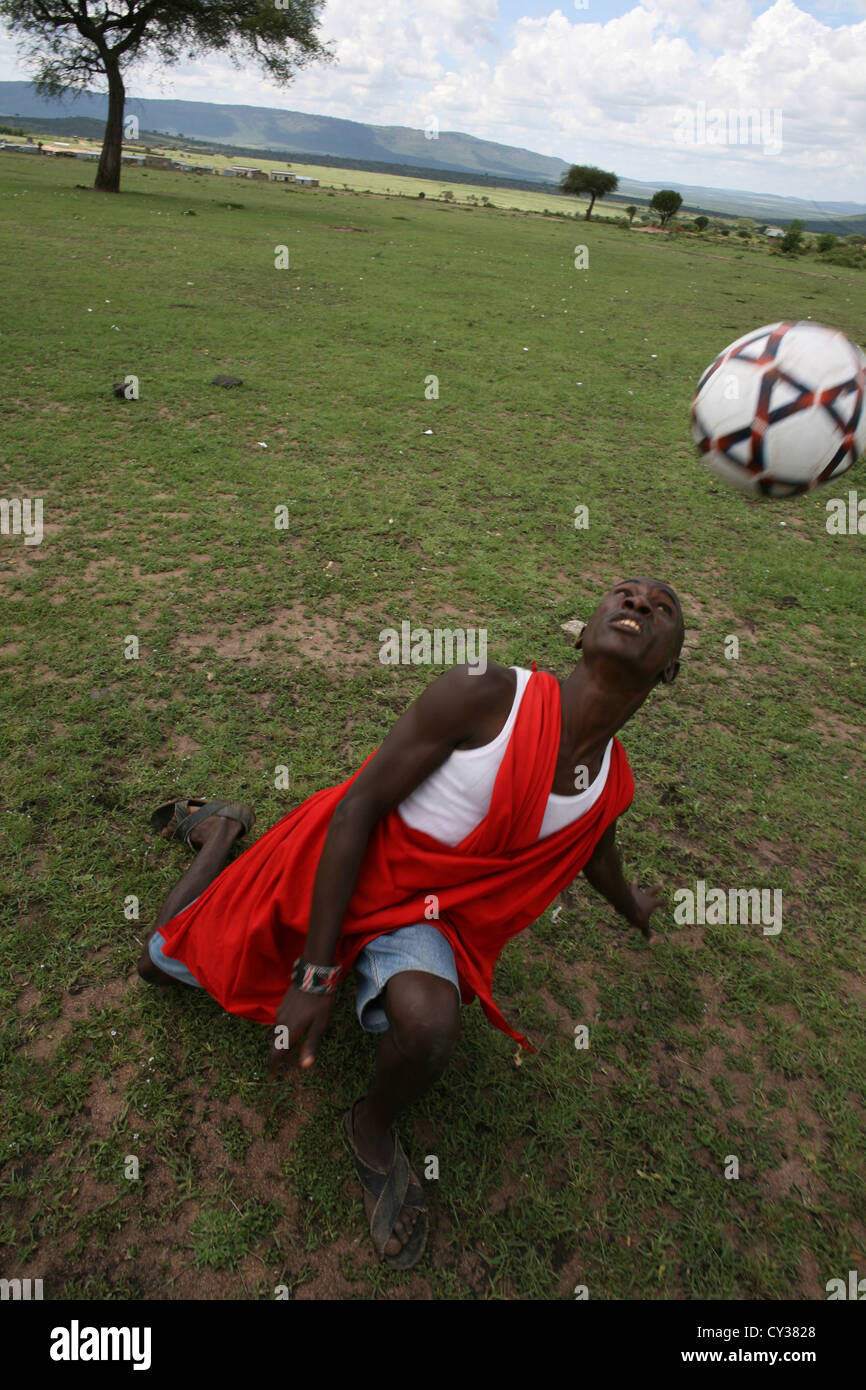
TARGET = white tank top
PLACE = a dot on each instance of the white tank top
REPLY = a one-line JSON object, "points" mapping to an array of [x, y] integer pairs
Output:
{"points": [[456, 797]]}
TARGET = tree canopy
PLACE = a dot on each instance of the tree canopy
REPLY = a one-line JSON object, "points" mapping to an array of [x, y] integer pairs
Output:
{"points": [[71, 43], [666, 202], [586, 178], [792, 241]]}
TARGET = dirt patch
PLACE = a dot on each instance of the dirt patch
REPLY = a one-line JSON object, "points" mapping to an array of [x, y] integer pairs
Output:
{"points": [[324, 640], [93, 570], [836, 726], [182, 746]]}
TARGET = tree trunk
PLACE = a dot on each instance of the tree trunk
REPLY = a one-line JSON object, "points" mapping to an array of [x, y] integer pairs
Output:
{"points": [[108, 170], [591, 206]]}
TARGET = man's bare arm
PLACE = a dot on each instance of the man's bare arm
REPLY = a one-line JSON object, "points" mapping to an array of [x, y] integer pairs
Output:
{"points": [[445, 714], [452, 710], [604, 872]]}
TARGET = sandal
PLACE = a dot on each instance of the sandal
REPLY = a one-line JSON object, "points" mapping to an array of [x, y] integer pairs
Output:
{"points": [[174, 820], [392, 1191]]}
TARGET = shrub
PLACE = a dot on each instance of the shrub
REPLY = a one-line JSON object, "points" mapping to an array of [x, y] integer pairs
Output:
{"points": [[851, 256]]}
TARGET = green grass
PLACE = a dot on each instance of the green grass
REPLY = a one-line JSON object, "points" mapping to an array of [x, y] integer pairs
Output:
{"points": [[258, 648]]}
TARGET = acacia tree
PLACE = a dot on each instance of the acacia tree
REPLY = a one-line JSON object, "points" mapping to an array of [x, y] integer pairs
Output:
{"points": [[630, 213], [666, 202], [792, 241], [71, 43], [585, 178]]}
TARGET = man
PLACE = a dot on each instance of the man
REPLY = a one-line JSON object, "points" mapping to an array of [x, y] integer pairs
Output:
{"points": [[489, 795]]}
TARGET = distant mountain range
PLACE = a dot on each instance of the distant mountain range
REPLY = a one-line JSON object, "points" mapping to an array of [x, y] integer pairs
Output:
{"points": [[263, 128]]}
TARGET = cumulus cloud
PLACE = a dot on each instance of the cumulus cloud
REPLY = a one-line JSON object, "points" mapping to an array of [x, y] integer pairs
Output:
{"points": [[615, 93]]}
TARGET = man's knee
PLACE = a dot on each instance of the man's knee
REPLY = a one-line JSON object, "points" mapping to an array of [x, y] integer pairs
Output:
{"points": [[149, 972], [424, 1013]]}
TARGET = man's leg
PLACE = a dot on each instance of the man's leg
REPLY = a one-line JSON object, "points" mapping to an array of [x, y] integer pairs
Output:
{"points": [[216, 836], [424, 1024]]}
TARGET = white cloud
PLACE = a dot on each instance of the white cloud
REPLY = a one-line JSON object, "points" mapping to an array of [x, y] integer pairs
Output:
{"points": [[609, 93]]}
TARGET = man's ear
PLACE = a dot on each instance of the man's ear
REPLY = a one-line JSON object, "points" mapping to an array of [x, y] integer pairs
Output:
{"points": [[670, 673]]}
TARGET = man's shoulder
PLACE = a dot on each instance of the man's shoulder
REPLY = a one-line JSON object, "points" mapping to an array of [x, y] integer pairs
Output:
{"points": [[488, 684], [470, 698]]}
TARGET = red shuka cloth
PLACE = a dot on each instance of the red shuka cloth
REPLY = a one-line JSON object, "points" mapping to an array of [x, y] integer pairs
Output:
{"points": [[242, 936]]}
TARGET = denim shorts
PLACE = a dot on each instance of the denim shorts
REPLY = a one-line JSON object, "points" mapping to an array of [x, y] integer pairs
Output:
{"points": [[175, 968], [419, 947]]}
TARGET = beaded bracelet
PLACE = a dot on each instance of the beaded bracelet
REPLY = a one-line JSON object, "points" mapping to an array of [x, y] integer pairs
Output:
{"points": [[315, 979]]}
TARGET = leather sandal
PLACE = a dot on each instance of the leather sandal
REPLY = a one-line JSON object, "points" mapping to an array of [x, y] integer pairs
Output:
{"points": [[392, 1191], [174, 820]]}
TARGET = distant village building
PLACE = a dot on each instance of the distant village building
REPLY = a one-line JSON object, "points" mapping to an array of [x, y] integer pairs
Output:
{"points": [[282, 176], [23, 149], [60, 148], [307, 182], [246, 171], [87, 154], [157, 161], [192, 168], [774, 231]]}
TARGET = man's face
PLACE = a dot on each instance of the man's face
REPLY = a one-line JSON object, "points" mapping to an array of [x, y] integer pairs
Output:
{"points": [[640, 623]]}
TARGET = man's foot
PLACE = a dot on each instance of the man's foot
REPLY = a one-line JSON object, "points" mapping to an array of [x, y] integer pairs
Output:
{"points": [[198, 821], [213, 827], [376, 1150]]}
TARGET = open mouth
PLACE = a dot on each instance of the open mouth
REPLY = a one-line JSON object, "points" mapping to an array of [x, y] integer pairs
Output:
{"points": [[627, 624]]}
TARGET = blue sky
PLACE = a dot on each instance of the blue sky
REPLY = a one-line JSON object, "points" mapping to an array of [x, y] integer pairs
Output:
{"points": [[726, 93]]}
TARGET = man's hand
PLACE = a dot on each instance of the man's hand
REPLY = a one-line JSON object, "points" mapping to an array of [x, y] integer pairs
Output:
{"points": [[604, 872], [645, 905], [299, 1013]]}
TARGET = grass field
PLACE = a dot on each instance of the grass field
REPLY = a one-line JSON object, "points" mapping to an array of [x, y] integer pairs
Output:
{"points": [[258, 647], [354, 180]]}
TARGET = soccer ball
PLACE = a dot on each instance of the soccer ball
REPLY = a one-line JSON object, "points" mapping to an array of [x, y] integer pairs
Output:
{"points": [[782, 409]]}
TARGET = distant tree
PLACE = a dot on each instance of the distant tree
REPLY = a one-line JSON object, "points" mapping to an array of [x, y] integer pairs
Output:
{"points": [[666, 202], [421, 194], [71, 43], [747, 225], [855, 239], [826, 241], [630, 213], [701, 223], [792, 241], [447, 195], [586, 178]]}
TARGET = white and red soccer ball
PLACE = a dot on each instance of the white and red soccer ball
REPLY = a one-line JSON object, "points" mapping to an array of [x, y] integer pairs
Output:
{"points": [[782, 409]]}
